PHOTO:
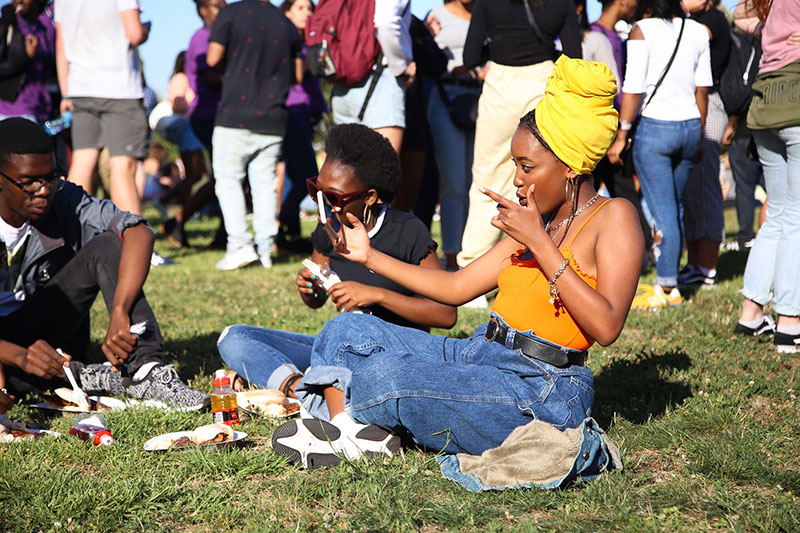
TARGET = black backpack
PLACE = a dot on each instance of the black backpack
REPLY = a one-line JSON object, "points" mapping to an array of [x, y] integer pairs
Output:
{"points": [[735, 84]]}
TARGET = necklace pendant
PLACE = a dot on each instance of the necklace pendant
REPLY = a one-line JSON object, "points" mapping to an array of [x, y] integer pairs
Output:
{"points": [[551, 301]]}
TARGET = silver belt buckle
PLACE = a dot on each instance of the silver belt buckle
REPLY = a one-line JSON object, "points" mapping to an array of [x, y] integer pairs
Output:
{"points": [[492, 329]]}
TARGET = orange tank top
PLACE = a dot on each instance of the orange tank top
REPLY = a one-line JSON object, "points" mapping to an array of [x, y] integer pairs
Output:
{"points": [[523, 299]]}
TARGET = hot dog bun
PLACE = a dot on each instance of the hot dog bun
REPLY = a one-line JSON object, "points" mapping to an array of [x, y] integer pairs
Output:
{"points": [[211, 433]]}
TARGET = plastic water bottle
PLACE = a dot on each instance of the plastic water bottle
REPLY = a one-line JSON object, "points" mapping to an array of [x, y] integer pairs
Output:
{"points": [[92, 429], [224, 408], [58, 124]]}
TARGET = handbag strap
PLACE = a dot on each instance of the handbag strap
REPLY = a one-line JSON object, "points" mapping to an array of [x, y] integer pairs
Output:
{"points": [[532, 21], [669, 64]]}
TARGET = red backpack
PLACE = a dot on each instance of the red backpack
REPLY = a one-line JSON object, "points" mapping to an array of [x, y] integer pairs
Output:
{"points": [[340, 40]]}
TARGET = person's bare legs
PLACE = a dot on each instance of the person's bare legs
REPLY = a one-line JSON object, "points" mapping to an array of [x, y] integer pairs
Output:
{"points": [[81, 171], [123, 184], [395, 136], [703, 252]]}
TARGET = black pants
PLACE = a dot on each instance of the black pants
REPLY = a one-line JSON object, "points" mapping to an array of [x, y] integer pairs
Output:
{"points": [[619, 182], [59, 313]]}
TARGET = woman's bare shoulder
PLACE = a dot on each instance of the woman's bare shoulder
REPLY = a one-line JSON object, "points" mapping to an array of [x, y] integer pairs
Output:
{"points": [[619, 216]]}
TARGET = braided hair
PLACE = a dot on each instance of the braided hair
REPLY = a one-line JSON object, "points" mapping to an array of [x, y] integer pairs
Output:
{"points": [[529, 121]]}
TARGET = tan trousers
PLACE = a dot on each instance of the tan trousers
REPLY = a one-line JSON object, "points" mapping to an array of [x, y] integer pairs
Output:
{"points": [[508, 93]]}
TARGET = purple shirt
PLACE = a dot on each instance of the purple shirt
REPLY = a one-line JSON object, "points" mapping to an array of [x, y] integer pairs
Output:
{"points": [[206, 101], [34, 100], [619, 54]]}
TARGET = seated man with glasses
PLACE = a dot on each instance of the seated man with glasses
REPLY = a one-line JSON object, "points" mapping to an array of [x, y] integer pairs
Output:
{"points": [[361, 176], [61, 247]]}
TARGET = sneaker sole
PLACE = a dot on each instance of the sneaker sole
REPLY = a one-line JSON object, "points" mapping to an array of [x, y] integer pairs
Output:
{"points": [[785, 348], [237, 267], [313, 459]]}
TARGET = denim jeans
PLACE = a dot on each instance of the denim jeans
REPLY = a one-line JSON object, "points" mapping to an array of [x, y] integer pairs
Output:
{"points": [[264, 357], [301, 164], [59, 312], [456, 395], [453, 148], [240, 154], [773, 266], [746, 175], [664, 153]]}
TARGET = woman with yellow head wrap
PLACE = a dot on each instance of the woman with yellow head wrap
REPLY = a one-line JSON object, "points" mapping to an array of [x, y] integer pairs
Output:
{"points": [[567, 273]]}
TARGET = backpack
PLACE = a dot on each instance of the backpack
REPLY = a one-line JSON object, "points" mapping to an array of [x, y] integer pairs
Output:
{"points": [[340, 40], [735, 84]]}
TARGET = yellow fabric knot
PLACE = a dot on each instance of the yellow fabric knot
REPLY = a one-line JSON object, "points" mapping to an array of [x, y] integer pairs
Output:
{"points": [[576, 117]]}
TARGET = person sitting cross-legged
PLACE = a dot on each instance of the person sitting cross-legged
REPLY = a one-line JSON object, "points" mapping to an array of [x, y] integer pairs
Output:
{"points": [[61, 247], [567, 273]]}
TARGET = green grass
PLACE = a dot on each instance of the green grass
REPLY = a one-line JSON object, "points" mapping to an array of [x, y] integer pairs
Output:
{"points": [[707, 424]]}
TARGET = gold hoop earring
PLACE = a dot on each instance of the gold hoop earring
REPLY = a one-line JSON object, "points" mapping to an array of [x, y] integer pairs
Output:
{"points": [[367, 215], [566, 189]]}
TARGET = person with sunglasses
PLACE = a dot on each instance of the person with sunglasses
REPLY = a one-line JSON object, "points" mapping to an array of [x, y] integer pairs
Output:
{"points": [[566, 273], [60, 247], [360, 178]]}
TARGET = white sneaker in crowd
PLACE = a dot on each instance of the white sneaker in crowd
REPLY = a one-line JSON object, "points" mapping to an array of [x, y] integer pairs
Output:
{"points": [[238, 258]]}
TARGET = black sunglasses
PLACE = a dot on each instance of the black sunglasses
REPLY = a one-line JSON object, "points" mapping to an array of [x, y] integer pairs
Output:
{"points": [[32, 188]]}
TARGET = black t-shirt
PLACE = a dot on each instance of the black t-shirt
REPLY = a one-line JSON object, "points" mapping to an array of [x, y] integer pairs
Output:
{"points": [[512, 40], [260, 47], [402, 236], [720, 45]]}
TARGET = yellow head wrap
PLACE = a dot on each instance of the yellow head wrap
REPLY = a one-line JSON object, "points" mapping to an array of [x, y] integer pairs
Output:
{"points": [[576, 117]]}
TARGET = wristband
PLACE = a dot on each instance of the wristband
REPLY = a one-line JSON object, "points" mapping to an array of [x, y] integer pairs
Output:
{"points": [[624, 125]]}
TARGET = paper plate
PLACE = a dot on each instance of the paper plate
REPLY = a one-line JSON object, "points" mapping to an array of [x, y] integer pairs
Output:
{"points": [[152, 444], [113, 403], [37, 433]]}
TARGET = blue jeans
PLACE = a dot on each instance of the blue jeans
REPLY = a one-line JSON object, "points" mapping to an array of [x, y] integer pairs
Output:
{"points": [[453, 148], [240, 153], [264, 357], [664, 153], [746, 175], [773, 266], [301, 164], [456, 395]]}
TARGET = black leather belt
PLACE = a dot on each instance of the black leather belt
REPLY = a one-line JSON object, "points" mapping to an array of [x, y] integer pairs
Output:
{"points": [[497, 332]]}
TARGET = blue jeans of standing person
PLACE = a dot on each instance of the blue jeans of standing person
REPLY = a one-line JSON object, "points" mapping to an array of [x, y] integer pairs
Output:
{"points": [[453, 148], [773, 266], [664, 153], [239, 154], [746, 175], [264, 357], [301, 164], [456, 395]]}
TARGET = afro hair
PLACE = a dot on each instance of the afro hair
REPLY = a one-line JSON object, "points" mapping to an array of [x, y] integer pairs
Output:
{"points": [[22, 136]]}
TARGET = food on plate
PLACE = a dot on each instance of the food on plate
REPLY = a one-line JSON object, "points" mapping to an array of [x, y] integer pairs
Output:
{"points": [[211, 433], [208, 434], [269, 402], [14, 430], [65, 397]]}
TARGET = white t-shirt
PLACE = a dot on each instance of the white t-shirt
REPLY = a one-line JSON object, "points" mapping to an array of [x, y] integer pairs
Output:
{"points": [[452, 36], [12, 294], [647, 59], [392, 22], [102, 61]]}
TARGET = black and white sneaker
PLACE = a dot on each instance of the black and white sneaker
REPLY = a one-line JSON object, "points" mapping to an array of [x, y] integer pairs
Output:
{"points": [[163, 384], [98, 379], [313, 443], [785, 343], [765, 328], [691, 275]]}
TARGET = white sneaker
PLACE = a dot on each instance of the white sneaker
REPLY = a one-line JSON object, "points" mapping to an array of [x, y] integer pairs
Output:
{"points": [[157, 260], [238, 258], [265, 260]]}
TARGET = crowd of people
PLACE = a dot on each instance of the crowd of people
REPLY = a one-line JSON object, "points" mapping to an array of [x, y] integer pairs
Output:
{"points": [[563, 155]]}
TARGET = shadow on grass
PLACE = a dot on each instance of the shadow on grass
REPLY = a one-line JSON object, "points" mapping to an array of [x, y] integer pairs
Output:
{"points": [[196, 355], [636, 389]]}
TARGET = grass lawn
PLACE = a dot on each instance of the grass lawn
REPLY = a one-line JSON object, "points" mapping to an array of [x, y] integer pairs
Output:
{"points": [[707, 424]]}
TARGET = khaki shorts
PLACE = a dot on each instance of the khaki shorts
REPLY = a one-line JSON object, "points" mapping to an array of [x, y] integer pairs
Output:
{"points": [[119, 124]]}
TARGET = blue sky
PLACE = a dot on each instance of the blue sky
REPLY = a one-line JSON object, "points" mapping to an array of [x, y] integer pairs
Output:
{"points": [[174, 22]]}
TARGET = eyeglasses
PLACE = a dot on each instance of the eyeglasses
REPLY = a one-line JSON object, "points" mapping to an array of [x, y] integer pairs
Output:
{"points": [[335, 199], [32, 188]]}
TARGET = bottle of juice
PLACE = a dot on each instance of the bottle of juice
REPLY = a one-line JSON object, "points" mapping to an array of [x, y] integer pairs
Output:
{"points": [[92, 429], [224, 408]]}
